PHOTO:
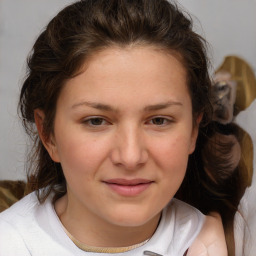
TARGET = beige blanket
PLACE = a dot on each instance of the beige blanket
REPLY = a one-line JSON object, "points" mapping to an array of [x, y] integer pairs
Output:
{"points": [[10, 192]]}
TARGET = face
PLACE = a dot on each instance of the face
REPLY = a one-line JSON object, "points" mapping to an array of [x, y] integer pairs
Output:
{"points": [[123, 132]]}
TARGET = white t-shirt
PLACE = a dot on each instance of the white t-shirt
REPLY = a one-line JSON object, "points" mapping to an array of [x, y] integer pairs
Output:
{"points": [[29, 228]]}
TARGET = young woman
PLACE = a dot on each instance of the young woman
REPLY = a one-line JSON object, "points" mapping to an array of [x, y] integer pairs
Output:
{"points": [[117, 94]]}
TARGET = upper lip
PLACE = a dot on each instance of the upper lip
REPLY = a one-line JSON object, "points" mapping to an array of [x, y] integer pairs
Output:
{"points": [[128, 182]]}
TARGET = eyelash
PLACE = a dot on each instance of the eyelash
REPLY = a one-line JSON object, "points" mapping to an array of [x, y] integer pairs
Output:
{"points": [[165, 121], [90, 120], [101, 121]]}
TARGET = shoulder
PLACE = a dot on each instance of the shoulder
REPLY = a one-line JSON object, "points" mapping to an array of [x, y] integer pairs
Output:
{"points": [[11, 242], [187, 223], [12, 221], [20, 211], [22, 206], [185, 213], [31, 228], [211, 239], [179, 226], [203, 235]]}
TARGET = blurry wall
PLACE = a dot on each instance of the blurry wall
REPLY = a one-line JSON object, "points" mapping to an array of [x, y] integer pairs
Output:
{"points": [[20, 23], [228, 25]]}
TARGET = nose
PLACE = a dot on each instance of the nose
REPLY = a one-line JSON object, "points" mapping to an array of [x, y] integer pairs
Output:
{"points": [[129, 148]]}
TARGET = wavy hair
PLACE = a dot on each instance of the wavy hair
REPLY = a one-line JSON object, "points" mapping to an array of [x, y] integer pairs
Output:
{"points": [[85, 27]]}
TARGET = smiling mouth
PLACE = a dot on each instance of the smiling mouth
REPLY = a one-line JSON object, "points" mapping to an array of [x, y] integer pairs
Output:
{"points": [[125, 187]]}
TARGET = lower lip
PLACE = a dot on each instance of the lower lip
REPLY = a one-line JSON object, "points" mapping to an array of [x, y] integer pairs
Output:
{"points": [[125, 190]]}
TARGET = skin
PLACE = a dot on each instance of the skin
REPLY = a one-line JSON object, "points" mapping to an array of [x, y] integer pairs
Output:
{"points": [[211, 239], [126, 119]]}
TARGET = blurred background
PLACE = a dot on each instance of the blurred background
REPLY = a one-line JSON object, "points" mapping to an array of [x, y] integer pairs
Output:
{"points": [[228, 25]]}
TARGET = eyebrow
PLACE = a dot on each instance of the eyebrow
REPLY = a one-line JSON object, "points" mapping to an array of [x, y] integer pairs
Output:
{"points": [[108, 108], [95, 105], [163, 105]]}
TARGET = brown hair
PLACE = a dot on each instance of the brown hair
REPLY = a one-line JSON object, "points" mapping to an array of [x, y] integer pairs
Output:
{"points": [[88, 26]]}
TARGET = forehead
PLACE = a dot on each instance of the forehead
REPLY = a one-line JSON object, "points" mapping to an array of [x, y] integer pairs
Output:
{"points": [[138, 72], [145, 54]]}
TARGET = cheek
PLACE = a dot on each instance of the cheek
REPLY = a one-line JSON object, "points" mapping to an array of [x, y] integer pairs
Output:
{"points": [[172, 155], [81, 154], [178, 146]]}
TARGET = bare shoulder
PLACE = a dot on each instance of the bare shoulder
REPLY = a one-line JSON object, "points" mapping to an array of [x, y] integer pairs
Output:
{"points": [[211, 239]]}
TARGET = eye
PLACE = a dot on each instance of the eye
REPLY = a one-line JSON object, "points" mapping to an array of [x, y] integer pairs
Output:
{"points": [[160, 121], [95, 121]]}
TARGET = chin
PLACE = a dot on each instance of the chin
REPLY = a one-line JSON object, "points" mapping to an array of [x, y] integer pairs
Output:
{"points": [[131, 219]]}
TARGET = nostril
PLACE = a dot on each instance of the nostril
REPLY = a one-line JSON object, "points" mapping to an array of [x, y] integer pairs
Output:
{"points": [[129, 149]]}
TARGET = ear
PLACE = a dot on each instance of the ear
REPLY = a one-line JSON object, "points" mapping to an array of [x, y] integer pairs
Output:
{"points": [[195, 133], [47, 140]]}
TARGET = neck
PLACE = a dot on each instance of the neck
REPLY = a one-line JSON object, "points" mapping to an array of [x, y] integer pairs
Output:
{"points": [[94, 231]]}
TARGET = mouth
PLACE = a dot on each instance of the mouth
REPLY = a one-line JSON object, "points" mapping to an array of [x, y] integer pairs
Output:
{"points": [[128, 188]]}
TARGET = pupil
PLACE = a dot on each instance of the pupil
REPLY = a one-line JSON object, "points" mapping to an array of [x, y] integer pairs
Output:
{"points": [[158, 121], [96, 121]]}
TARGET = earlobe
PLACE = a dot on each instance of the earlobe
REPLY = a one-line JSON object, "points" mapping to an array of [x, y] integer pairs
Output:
{"points": [[47, 140]]}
